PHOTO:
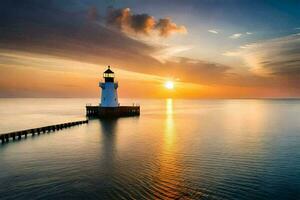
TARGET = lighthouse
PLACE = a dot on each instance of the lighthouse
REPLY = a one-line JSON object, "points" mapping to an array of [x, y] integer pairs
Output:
{"points": [[109, 106], [109, 93]]}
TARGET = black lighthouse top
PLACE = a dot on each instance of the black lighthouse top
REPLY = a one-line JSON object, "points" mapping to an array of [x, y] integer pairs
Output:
{"points": [[109, 75]]}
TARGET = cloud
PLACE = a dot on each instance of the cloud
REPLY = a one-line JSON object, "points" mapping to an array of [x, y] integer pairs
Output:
{"points": [[64, 35], [92, 13], [165, 27], [67, 37], [213, 31], [236, 36], [239, 35], [198, 71], [278, 57], [169, 53], [124, 20]]}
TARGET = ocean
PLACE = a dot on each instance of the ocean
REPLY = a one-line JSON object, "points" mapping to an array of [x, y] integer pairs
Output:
{"points": [[176, 149]]}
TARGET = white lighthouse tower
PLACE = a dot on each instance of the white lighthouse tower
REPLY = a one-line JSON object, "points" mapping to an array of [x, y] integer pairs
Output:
{"points": [[109, 95]]}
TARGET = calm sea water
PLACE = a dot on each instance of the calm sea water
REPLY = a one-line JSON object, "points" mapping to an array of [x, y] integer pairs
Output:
{"points": [[176, 149]]}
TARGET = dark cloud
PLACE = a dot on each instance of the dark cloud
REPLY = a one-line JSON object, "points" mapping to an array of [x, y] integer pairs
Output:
{"points": [[166, 26], [93, 13], [128, 22], [56, 32], [124, 20], [142, 23]]}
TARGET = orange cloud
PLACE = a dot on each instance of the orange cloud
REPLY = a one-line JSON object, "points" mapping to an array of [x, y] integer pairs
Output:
{"points": [[128, 22], [166, 27]]}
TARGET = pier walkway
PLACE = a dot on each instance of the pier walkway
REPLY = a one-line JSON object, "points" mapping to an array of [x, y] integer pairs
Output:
{"points": [[5, 137]]}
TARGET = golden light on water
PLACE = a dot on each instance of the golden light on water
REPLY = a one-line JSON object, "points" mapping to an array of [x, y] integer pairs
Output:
{"points": [[169, 136], [169, 107], [170, 171]]}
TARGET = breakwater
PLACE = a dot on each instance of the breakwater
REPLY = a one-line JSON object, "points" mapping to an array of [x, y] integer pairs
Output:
{"points": [[6, 137]]}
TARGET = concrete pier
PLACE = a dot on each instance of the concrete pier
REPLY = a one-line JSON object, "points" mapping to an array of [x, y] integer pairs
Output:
{"points": [[111, 112], [18, 134]]}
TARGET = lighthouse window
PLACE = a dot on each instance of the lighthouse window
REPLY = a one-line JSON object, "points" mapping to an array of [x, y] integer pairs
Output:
{"points": [[109, 75]]}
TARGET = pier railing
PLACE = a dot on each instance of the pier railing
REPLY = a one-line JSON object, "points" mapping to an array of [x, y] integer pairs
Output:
{"points": [[5, 137]]}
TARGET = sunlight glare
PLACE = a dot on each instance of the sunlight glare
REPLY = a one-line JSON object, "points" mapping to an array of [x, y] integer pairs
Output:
{"points": [[169, 85]]}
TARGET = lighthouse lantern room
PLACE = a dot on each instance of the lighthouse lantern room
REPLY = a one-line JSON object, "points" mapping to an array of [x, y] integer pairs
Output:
{"points": [[109, 95]]}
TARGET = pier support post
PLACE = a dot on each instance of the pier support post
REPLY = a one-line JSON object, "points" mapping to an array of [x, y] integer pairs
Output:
{"points": [[6, 138]]}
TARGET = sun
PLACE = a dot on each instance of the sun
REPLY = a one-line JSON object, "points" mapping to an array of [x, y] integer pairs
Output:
{"points": [[169, 85]]}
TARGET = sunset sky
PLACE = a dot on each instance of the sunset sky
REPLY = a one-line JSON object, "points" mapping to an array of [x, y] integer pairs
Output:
{"points": [[208, 48]]}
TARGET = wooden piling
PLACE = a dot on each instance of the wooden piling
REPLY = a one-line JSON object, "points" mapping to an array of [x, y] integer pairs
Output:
{"points": [[19, 135], [7, 138]]}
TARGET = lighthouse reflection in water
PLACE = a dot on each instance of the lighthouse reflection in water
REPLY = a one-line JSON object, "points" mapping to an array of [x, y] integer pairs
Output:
{"points": [[176, 149]]}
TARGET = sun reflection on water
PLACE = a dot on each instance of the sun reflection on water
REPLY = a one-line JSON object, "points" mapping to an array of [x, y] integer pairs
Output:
{"points": [[169, 126], [170, 170]]}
